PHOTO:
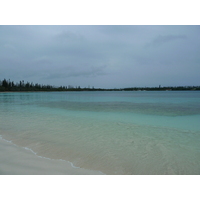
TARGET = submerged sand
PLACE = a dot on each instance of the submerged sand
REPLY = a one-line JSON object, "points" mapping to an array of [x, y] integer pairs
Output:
{"points": [[15, 160]]}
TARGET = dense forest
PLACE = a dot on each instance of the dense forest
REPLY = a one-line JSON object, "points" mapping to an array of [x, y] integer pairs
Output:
{"points": [[7, 85]]}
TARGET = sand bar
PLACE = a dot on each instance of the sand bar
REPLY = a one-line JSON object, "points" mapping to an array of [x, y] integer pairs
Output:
{"points": [[15, 160]]}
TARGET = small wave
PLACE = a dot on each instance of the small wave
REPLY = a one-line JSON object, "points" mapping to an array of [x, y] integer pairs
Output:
{"points": [[73, 165], [69, 163], [26, 148], [29, 150], [9, 141]]}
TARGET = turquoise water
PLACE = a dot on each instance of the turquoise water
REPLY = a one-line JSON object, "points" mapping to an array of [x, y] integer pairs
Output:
{"points": [[113, 132]]}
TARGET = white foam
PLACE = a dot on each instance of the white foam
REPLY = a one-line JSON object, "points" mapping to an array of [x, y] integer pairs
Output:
{"points": [[73, 165], [30, 150], [9, 141]]}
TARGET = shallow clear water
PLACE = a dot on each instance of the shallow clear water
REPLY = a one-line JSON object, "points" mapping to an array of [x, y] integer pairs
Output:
{"points": [[113, 132]]}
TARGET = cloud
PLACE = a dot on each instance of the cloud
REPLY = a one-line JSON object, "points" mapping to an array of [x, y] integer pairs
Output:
{"points": [[68, 36], [110, 56], [10, 47], [42, 60], [71, 71], [162, 39]]}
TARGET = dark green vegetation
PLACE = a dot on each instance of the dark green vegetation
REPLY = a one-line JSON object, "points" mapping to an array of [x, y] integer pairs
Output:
{"points": [[7, 85]]}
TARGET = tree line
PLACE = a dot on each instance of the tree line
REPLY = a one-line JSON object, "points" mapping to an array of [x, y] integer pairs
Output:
{"points": [[8, 85]]}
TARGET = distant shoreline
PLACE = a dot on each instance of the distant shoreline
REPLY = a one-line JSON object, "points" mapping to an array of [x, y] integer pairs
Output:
{"points": [[101, 90], [10, 86]]}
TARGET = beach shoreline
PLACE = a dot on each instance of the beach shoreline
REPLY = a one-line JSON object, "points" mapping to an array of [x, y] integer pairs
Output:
{"points": [[16, 160]]}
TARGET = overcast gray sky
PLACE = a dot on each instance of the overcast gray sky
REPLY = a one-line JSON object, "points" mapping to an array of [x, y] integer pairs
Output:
{"points": [[101, 56]]}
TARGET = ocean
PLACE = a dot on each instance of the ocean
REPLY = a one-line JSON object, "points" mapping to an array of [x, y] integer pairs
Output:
{"points": [[115, 132]]}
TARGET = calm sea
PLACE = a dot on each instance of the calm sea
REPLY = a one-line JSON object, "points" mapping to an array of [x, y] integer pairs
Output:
{"points": [[113, 132]]}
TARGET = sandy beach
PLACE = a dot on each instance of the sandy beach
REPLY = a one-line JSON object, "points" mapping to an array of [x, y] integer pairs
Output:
{"points": [[15, 160]]}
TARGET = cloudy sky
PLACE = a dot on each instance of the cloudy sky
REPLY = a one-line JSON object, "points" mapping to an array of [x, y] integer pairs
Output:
{"points": [[101, 56]]}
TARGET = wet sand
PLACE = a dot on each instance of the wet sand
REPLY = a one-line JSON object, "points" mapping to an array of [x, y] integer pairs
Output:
{"points": [[15, 160]]}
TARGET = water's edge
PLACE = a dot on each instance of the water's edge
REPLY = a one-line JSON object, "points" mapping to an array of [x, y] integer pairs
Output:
{"points": [[31, 151]]}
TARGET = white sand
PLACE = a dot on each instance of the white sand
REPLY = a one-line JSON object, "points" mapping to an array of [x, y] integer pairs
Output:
{"points": [[15, 160]]}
